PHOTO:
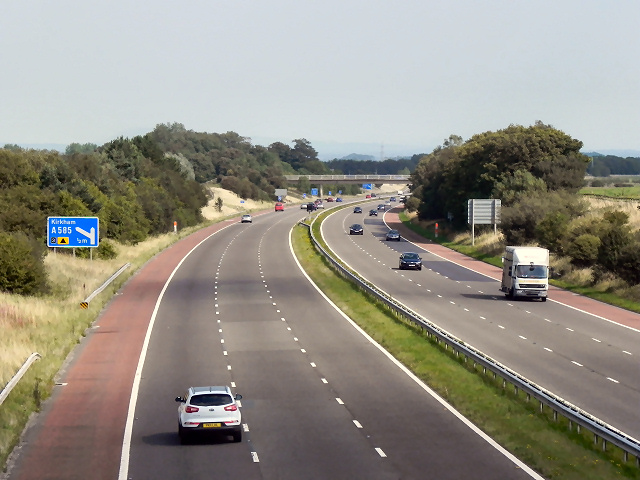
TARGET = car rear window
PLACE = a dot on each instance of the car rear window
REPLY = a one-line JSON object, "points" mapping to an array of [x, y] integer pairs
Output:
{"points": [[211, 399]]}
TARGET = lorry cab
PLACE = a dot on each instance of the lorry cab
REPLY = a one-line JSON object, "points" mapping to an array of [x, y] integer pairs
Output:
{"points": [[525, 272]]}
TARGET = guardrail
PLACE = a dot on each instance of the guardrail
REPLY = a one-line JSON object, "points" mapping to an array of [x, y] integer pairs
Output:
{"points": [[19, 374], [600, 429], [85, 302]]}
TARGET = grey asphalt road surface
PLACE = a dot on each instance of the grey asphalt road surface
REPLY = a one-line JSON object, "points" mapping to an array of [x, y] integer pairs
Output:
{"points": [[590, 362], [320, 401]]}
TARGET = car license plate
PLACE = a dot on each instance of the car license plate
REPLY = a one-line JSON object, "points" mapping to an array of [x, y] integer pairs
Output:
{"points": [[211, 425]]}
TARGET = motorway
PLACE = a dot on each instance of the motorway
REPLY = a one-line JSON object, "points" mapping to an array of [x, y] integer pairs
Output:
{"points": [[320, 399], [590, 361]]}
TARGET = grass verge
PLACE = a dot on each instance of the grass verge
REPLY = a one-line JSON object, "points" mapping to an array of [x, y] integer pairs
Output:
{"points": [[542, 443]]}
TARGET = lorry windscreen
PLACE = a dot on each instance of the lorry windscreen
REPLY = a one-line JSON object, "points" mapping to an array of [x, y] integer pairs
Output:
{"points": [[531, 271]]}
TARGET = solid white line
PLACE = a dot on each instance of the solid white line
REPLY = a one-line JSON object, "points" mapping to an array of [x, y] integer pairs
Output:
{"points": [[133, 399], [411, 375]]}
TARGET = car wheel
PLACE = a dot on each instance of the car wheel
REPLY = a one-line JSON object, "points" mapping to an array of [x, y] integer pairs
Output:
{"points": [[544, 299], [237, 436], [183, 435], [420, 267]]}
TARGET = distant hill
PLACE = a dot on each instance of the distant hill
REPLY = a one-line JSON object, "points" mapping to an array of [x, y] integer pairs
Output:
{"points": [[614, 153], [357, 156]]}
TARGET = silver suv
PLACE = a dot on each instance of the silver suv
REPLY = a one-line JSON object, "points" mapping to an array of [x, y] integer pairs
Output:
{"points": [[209, 410]]}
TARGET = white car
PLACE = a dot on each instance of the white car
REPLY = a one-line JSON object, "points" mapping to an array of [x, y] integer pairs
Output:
{"points": [[246, 219], [209, 410], [319, 205]]}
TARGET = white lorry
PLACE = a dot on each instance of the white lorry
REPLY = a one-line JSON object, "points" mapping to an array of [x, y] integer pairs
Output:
{"points": [[525, 272]]}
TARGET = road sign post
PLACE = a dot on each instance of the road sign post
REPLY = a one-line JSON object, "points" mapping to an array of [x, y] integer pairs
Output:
{"points": [[73, 232]]}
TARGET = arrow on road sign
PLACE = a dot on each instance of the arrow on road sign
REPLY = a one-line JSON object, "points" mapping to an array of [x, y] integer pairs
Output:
{"points": [[91, 235]]}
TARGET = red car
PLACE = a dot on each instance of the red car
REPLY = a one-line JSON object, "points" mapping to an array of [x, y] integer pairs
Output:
{"points": [[368, 196], [279, 207], [329, 199]]}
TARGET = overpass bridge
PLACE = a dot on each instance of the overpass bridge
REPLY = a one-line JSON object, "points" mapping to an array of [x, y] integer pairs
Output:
{"points": [[351, 179]]}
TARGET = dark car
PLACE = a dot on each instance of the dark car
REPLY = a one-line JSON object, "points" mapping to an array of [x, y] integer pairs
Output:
{"points": [[393, 235], [373, 212], [356, 229], [311, 207], [392, 199], [410, 260], [381, 206], [338, 199], [357, 210], [373, 195]]}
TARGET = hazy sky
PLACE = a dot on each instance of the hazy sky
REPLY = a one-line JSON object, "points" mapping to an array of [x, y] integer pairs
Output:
{"points": [[403, 73]]}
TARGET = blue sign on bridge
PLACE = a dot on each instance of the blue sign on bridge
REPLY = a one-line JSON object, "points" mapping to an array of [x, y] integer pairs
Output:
{"points": [[73, 232]]}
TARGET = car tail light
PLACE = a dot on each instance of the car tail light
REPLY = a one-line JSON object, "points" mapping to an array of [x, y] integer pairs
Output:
{"points": [[231, 408], [191, 409]]}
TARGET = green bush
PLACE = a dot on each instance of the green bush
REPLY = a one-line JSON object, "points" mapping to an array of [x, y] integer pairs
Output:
{"points": [[583, 249], [106, 250], [22, 268], [598, 183]]}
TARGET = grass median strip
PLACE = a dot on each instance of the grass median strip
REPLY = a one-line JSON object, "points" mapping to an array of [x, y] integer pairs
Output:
{"points": [[544, 444]]}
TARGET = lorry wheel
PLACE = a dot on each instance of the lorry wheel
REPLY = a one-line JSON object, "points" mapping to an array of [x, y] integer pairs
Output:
{"points": [[511, 293]]}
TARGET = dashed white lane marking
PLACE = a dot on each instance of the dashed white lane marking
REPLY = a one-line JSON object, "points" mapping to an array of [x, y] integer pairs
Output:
{"points": [[245, 427], [613, 380], [313, 364], [482, 318], [233, 384], [576, 363], [219, 330], [548, 349], [500, 326], [339, 401], [380, 452], [523, 338], [222, 340], [466, 309], [224, 352], [324, 380], [228, 367], [596, 340], [357, 423], [254, 456], [570, 329], [628, 353], [303, 350]]}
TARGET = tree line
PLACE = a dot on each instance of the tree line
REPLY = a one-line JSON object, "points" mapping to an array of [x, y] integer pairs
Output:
{"points": [[536, 172]]}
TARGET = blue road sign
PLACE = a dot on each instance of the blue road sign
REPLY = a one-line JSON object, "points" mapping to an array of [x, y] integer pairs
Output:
{"points": [[367, 186], [304, 195], [329, 192], [279, 198], [73, 232], [314, 192]]}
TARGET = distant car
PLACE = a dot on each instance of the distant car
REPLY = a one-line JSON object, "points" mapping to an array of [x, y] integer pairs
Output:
{"points": [[410, 260], [303, 206], [339, 199], [367, 196], [381, 206], [319, 205], [356, 229], [373, 195], [387, 203], [279, 207], [393, 235], [357, 210], [392, 199], [329, 199], [246, 219], [209, 410], [373, 212]]}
